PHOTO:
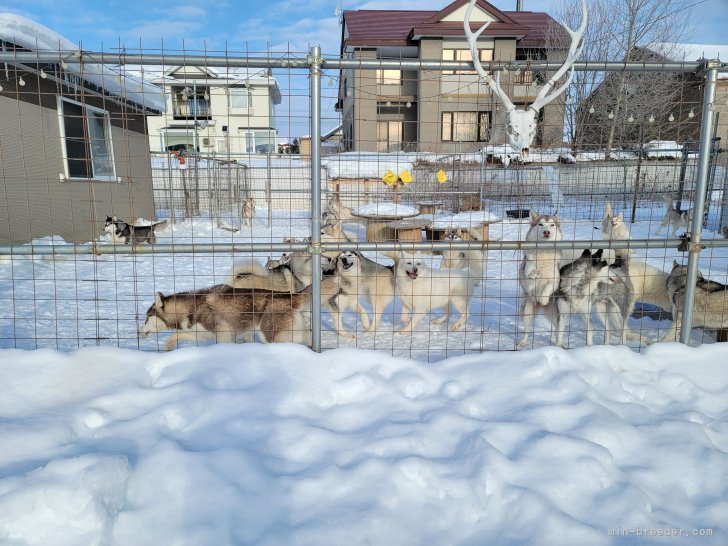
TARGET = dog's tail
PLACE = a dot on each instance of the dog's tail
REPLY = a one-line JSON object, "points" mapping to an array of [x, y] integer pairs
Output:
{"points": [[607, 209], [249, 268]]}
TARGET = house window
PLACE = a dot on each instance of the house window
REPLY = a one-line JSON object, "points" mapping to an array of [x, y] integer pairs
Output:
{"points": [[389, 136], [389, 77], [465, 126], [486, 55], [86, 137], [240, 98]]}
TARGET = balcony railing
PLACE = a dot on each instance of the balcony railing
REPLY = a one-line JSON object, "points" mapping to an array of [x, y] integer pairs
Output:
{"points": [[191, 109]]}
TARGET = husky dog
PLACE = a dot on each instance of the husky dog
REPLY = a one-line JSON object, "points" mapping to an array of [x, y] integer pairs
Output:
{"points": [[472, 259], [422, 290], [710, 309], [614, 300], [334, 232], [336, 211], [221, 313], [578, 285], [250, 274], [613, 226], [676, 218], [123, 232], [247, 211], [376, 285], [341, 291], [539, 271]]}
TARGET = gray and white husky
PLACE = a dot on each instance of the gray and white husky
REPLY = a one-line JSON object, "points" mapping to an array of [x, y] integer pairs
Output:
{"points": [[614, 300], [221, 313], [677, 218], [578, 285], [538, 274], [472, 259], [710, 309], [123, 232]]}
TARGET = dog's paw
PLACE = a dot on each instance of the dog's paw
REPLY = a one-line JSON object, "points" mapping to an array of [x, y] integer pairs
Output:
{"points": [[439, 320]]}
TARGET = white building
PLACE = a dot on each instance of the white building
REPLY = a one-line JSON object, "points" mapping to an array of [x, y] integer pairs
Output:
{"points": [[214, 110]]}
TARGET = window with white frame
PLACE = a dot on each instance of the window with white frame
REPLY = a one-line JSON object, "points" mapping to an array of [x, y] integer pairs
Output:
{"points": [[86, 139], [465, 126], [240, 98], [486, 56]]}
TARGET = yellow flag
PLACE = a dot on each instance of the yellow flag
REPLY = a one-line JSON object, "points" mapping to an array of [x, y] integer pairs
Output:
{"points": [[441, 176], [405, 177], [390, 179]]}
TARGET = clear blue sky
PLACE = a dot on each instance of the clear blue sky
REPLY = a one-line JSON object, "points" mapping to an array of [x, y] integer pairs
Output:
{"points": [[254, 26]]}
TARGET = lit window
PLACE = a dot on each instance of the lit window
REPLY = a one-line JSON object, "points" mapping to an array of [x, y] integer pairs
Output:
{"points": [[389, 77]]}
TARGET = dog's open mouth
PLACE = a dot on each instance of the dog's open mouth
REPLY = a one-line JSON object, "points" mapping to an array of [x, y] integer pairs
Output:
{"points": [[412, 274], [347, 264]]}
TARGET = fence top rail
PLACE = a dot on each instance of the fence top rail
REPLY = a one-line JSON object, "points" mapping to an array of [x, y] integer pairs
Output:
{"points": [[96, 249], [305, 62]]}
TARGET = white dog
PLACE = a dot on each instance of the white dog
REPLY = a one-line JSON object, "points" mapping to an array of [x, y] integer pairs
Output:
{"points": [[613, 226], [539, 271], [422, 289]]}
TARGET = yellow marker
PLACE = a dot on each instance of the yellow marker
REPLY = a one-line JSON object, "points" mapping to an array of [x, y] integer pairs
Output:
{"points": [[405, 177], [441, 176], [390, 179]]}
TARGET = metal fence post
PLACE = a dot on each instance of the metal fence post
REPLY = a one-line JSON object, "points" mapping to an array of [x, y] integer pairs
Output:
{"points": [[314, 62], [706, 145]]}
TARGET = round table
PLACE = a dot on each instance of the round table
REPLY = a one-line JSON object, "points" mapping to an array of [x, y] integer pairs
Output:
{"points": [[378, 216]]}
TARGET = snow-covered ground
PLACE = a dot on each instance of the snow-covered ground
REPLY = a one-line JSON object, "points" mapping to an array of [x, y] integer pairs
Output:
{"points": [[446, 442], [277, 445], [66, 302]]}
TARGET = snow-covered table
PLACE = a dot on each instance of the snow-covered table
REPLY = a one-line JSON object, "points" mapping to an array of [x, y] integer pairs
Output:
{"points": [[479, 221], [378, 215]]}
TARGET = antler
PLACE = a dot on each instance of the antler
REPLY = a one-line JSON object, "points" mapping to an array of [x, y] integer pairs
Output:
{"points": [[473, 43], [544, 97]]}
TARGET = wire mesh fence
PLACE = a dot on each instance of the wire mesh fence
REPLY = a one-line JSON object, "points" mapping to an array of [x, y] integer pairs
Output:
{"points": [[145, 223]]}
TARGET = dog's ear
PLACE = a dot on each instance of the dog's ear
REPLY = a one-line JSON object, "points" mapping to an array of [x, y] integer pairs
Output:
{"points": [[598, 254], [159, 300], [675, 264], [533, 215], [556, 216], [586, 254]]}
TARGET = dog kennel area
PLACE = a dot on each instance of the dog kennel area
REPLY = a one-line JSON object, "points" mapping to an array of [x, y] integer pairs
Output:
{"points": [[75, 148]]}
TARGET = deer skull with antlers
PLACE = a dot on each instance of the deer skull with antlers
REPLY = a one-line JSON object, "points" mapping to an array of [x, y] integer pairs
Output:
{"points": [[522, 123]]}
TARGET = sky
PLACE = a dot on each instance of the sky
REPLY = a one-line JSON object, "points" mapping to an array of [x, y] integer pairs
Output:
{"points": [[247, 25]]}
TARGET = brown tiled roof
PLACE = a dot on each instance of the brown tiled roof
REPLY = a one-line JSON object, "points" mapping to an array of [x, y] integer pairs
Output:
{"points": [[403, 27]]}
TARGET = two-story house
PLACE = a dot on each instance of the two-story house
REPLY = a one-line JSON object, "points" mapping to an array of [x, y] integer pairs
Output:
{"points": [[435, 110], [225, 111]]}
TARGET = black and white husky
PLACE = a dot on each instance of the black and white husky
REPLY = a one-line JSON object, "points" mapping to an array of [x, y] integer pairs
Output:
{"points": [[123, 232], [578, 286]]}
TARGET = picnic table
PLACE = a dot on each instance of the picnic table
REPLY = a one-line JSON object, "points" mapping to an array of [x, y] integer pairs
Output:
{"points": [[476, 220], [378, 215], [409, 229]]}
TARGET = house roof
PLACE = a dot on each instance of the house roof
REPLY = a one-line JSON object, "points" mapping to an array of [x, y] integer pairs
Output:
{"points": [[32, 36], [376, 28]]}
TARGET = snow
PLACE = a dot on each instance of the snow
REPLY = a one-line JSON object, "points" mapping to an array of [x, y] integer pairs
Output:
{"points": [[431, 439], [662, 149], [276, 445], [385, 209], [31, 35]]}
